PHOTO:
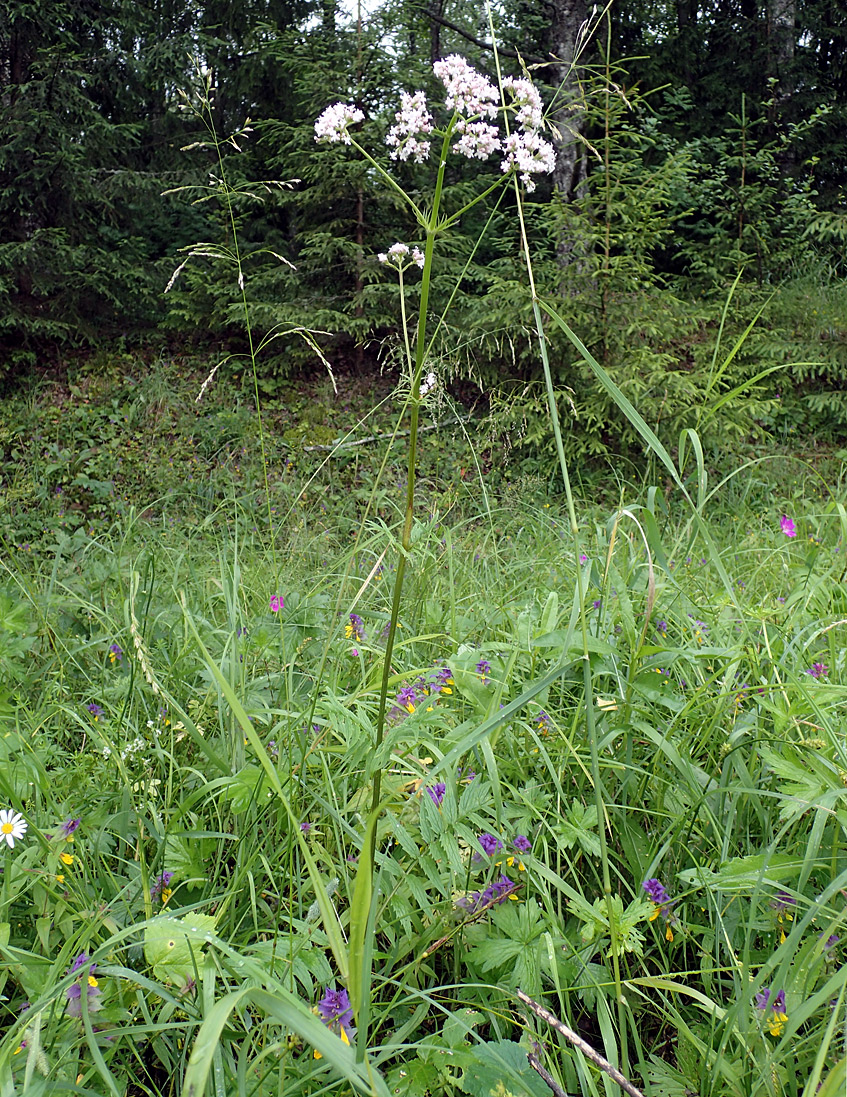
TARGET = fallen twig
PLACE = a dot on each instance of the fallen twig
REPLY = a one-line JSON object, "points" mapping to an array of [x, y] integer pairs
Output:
{"points": [[578, 1042], [545, 1076]]}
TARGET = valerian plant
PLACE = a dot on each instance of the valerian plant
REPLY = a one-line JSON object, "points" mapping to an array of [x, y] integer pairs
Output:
{"points": [[472, 107]]}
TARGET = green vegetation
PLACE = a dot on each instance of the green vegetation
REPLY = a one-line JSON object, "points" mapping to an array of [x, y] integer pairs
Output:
{"points": [[151, 692], [359, 731]]}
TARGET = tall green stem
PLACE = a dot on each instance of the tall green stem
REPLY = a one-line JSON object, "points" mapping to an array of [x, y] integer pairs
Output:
{"points": [[415, 398]]}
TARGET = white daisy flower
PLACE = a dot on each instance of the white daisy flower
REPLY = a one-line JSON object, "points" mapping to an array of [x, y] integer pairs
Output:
{"points": [[12, 827]]}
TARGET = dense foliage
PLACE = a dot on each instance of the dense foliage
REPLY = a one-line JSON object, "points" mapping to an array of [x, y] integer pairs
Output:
{"points": [[733, 167], [185, 661]]}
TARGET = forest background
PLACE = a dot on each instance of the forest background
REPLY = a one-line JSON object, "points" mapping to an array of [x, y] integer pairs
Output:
{"points": [[696, 145]]}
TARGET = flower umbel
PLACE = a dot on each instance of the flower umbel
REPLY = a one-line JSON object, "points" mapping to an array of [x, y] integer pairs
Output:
{"points": [[13, 827], [468, 91], [331, 125], [411, 120]]}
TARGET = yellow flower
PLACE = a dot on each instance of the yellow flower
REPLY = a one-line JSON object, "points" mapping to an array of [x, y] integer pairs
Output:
{"points": [[60, 879], [166, 894], [777, 1023], [66, 858]]}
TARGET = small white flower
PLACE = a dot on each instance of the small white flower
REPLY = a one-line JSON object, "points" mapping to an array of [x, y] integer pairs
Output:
{"points": [[383, 258], [332, 125], [12, 827], [398, 249], [429, 384], [528, 153], [418, 257], [412, 119], [526, 102], [478, 139], [468, 91]]}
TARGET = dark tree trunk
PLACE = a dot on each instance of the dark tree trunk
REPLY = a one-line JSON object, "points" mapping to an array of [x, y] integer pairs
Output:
{"points": [[567, 29]]}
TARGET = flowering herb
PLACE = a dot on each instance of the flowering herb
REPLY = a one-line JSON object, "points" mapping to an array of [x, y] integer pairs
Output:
{"points": [[355, 628], [115, 654], [542, 721], [521, 843], [482, 669], [277, 603], [436, 793], [498, 891], [69, 828], [662, 629], [787, 526], [13, 827], [95, 710], [305, 827], [661, 905], [160, 888], [92, 988], [773, 1009], [490, 844], [473, 100], [335, 1011], [818, 670]]}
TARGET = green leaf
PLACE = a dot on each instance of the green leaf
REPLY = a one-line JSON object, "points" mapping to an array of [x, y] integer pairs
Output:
{"points": [[501, 1070], [174, 946]]}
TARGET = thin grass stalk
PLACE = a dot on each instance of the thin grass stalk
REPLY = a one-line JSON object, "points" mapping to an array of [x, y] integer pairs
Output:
{"points": [[588, 691], [415, 399]]}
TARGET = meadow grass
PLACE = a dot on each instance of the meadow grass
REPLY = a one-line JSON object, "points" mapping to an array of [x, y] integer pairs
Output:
{"points": [[203, 697]]}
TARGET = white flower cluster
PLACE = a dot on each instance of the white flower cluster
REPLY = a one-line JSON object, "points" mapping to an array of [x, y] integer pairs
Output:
{"points": [[526, 101], [479, 139], [529, 153], [412, 120], [474, 98], [468, 91], [429, 384], [333, 122], [396, 254]]}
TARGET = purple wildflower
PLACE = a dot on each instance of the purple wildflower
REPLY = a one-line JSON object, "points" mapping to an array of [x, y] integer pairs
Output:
{"points": [[482, 669], [662, 629], [95, 710], [787, 526], [115, 653], [68, 827], [334, 1008], [436, 792], [305, 827], [490, 844], [355, 628], [656, 892], [277, 603], [161, 885], [521, 843], [818, 670], [542, 721], [74, 991]]}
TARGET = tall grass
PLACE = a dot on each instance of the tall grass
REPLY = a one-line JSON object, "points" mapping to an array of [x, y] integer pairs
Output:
{"points": [[425, 767]]}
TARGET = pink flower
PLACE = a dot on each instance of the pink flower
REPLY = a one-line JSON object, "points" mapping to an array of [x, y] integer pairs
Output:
{"points": [[412, 119], [332, 125], [468, 91], [277, 603], [528, 153], [787, 526]]}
